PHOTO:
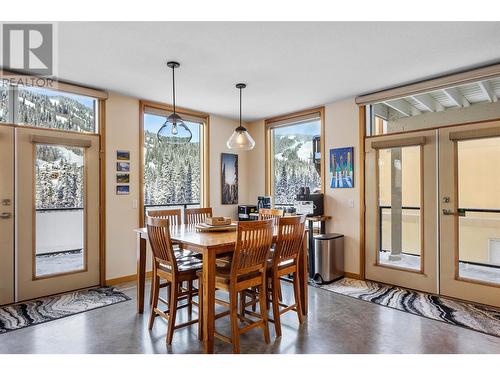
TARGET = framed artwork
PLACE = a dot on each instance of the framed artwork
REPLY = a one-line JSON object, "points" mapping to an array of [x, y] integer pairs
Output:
{"points": [[122, 166], [122, 178], [122, 155], [342, 167], [229, 178], [122, 189]]}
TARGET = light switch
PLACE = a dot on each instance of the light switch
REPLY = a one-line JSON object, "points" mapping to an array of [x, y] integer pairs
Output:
{"points": [[350, 203], [134, 203]]}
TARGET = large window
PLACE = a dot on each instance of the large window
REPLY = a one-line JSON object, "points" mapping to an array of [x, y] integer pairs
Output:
{"points": [[294, 156], [45, 108], [172, 173]]}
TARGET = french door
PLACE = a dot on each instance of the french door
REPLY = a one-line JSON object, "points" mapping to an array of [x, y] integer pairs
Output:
{"points": [[433, 211], [52, 223]]}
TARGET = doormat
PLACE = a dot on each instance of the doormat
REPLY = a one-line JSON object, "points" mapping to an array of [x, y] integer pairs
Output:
{"points": [[42, 310], [479, 318]]}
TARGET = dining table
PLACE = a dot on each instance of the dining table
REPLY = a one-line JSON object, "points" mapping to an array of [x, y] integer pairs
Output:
{"points": [[210, 245]]}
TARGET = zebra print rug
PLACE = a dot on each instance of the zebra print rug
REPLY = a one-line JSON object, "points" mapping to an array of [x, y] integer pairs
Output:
{"points": [[468, 315], [26, 314]]}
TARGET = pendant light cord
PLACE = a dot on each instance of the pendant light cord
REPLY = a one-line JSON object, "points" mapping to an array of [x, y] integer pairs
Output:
{"points": [[173, 85], [240, 105]]}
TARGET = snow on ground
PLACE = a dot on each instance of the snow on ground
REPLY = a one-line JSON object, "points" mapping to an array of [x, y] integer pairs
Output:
{"points": [[62, 119], [54, 101], [29, 103]]}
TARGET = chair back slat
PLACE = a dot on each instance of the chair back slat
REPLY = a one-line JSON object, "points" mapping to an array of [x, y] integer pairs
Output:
{"points": [[160, 241], [196, 215], [271, 213], [173, 215], [291, 231], [253, 243]]}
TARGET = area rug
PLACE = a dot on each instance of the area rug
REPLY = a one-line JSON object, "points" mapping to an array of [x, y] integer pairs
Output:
{"points": [[26, 314], [467, 315]]}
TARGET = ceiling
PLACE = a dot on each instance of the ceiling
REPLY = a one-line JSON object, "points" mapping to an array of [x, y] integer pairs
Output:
{"points": [[288, 66]]}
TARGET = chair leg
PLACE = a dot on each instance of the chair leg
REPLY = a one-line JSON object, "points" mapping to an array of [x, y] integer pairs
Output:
{"points": [[200, 309], [263, 309], [296, 294], [254, 299], [151, 291], [276, 286], [155, 290], [190, 297], [235, 334], [172, 311], [243, 300]]}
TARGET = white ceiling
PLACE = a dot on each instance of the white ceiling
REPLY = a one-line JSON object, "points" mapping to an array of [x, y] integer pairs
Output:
{"points": [[288, 66]]}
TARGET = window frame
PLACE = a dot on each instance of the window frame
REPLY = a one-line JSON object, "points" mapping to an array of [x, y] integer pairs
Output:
{"points": [[204, 154], [278, 121]]}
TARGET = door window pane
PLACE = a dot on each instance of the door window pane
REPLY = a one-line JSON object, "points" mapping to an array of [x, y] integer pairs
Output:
{"points": [[479, 203], [56, 110], [399, 207], [296, 158], [59, 215]]}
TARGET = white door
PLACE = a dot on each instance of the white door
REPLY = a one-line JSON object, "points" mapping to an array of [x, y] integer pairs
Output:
{"points": [[6, 214], [401, 206], [57, 211], [470, 212]]}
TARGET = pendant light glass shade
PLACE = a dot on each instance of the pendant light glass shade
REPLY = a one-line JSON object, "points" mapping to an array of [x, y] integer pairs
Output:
{"points": [[174, 130], [240, 139]]}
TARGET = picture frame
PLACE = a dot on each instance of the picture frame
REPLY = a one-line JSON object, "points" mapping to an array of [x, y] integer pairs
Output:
{"points": [[122, 189], [122, 178], [229, 178], [342, 168], [123, 166], [122, 155]]}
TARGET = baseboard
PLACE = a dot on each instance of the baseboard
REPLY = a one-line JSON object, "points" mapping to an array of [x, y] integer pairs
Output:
{"points": [[356, 276], [125, 279]]}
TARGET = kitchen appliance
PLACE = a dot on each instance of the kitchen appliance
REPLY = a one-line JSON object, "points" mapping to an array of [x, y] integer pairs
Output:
{"points": [[244, 212], [309, 204], [263, 202]]}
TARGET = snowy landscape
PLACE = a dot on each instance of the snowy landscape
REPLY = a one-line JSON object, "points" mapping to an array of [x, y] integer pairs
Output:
{"points": [[293, 164]]}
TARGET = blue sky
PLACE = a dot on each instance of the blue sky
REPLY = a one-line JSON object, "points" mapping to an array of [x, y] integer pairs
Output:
{"points": [[153, 123], [307, 128]]}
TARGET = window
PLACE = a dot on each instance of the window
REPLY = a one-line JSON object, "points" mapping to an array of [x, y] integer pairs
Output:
{"points": [[172, 174], [294, 156], [44, 108]]}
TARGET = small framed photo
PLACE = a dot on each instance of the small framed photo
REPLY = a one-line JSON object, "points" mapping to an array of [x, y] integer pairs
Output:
{"points": [[123, 166], [122, 178], [122, 189], [122, 155]]}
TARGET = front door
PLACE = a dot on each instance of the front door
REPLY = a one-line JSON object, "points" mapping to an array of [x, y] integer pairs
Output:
{"points": [[401, 206], [470, 212], [57, 211]]}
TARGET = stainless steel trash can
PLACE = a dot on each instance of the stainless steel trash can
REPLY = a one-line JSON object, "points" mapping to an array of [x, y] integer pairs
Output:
{"points": [[328, 257]]}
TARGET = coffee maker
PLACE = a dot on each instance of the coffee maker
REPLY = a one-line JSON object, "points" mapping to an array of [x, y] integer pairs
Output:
{"points": [[264, 202], [307, 203]]}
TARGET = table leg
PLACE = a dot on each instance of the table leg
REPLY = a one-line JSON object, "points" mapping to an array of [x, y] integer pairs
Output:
{"points": [[141, 272], [208, 301], [310, 236], [303, 275]]}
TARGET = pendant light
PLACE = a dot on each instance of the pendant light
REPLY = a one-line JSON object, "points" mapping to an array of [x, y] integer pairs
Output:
{"points": [[174, 130], [240, 139]]}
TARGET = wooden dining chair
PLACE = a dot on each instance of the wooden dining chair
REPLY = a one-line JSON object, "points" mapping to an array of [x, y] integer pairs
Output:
{"points": [[284, 261], [247, 269], [271, 213], [196, 215], [167, 266]]}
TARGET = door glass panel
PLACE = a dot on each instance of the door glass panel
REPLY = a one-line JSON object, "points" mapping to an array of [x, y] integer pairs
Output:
{"points": [[59, 214], [479, 209], [4, 103], [399, 171]]}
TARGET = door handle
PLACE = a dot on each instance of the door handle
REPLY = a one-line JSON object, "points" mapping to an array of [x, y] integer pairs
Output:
{"points": [[5, 215], [447, 211]]}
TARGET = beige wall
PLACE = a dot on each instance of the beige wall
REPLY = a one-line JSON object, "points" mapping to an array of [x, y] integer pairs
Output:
{"points": [[341, 130], [122, 133]]}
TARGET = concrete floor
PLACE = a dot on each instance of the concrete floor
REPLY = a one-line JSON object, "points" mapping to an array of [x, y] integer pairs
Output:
{"points": [[336, 324]]}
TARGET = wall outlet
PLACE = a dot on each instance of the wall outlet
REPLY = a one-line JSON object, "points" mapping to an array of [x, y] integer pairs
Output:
{"points": [[134, 203]]}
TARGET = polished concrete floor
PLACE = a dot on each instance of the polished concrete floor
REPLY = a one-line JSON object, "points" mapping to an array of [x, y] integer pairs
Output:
{"points": [[336, 324]]}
